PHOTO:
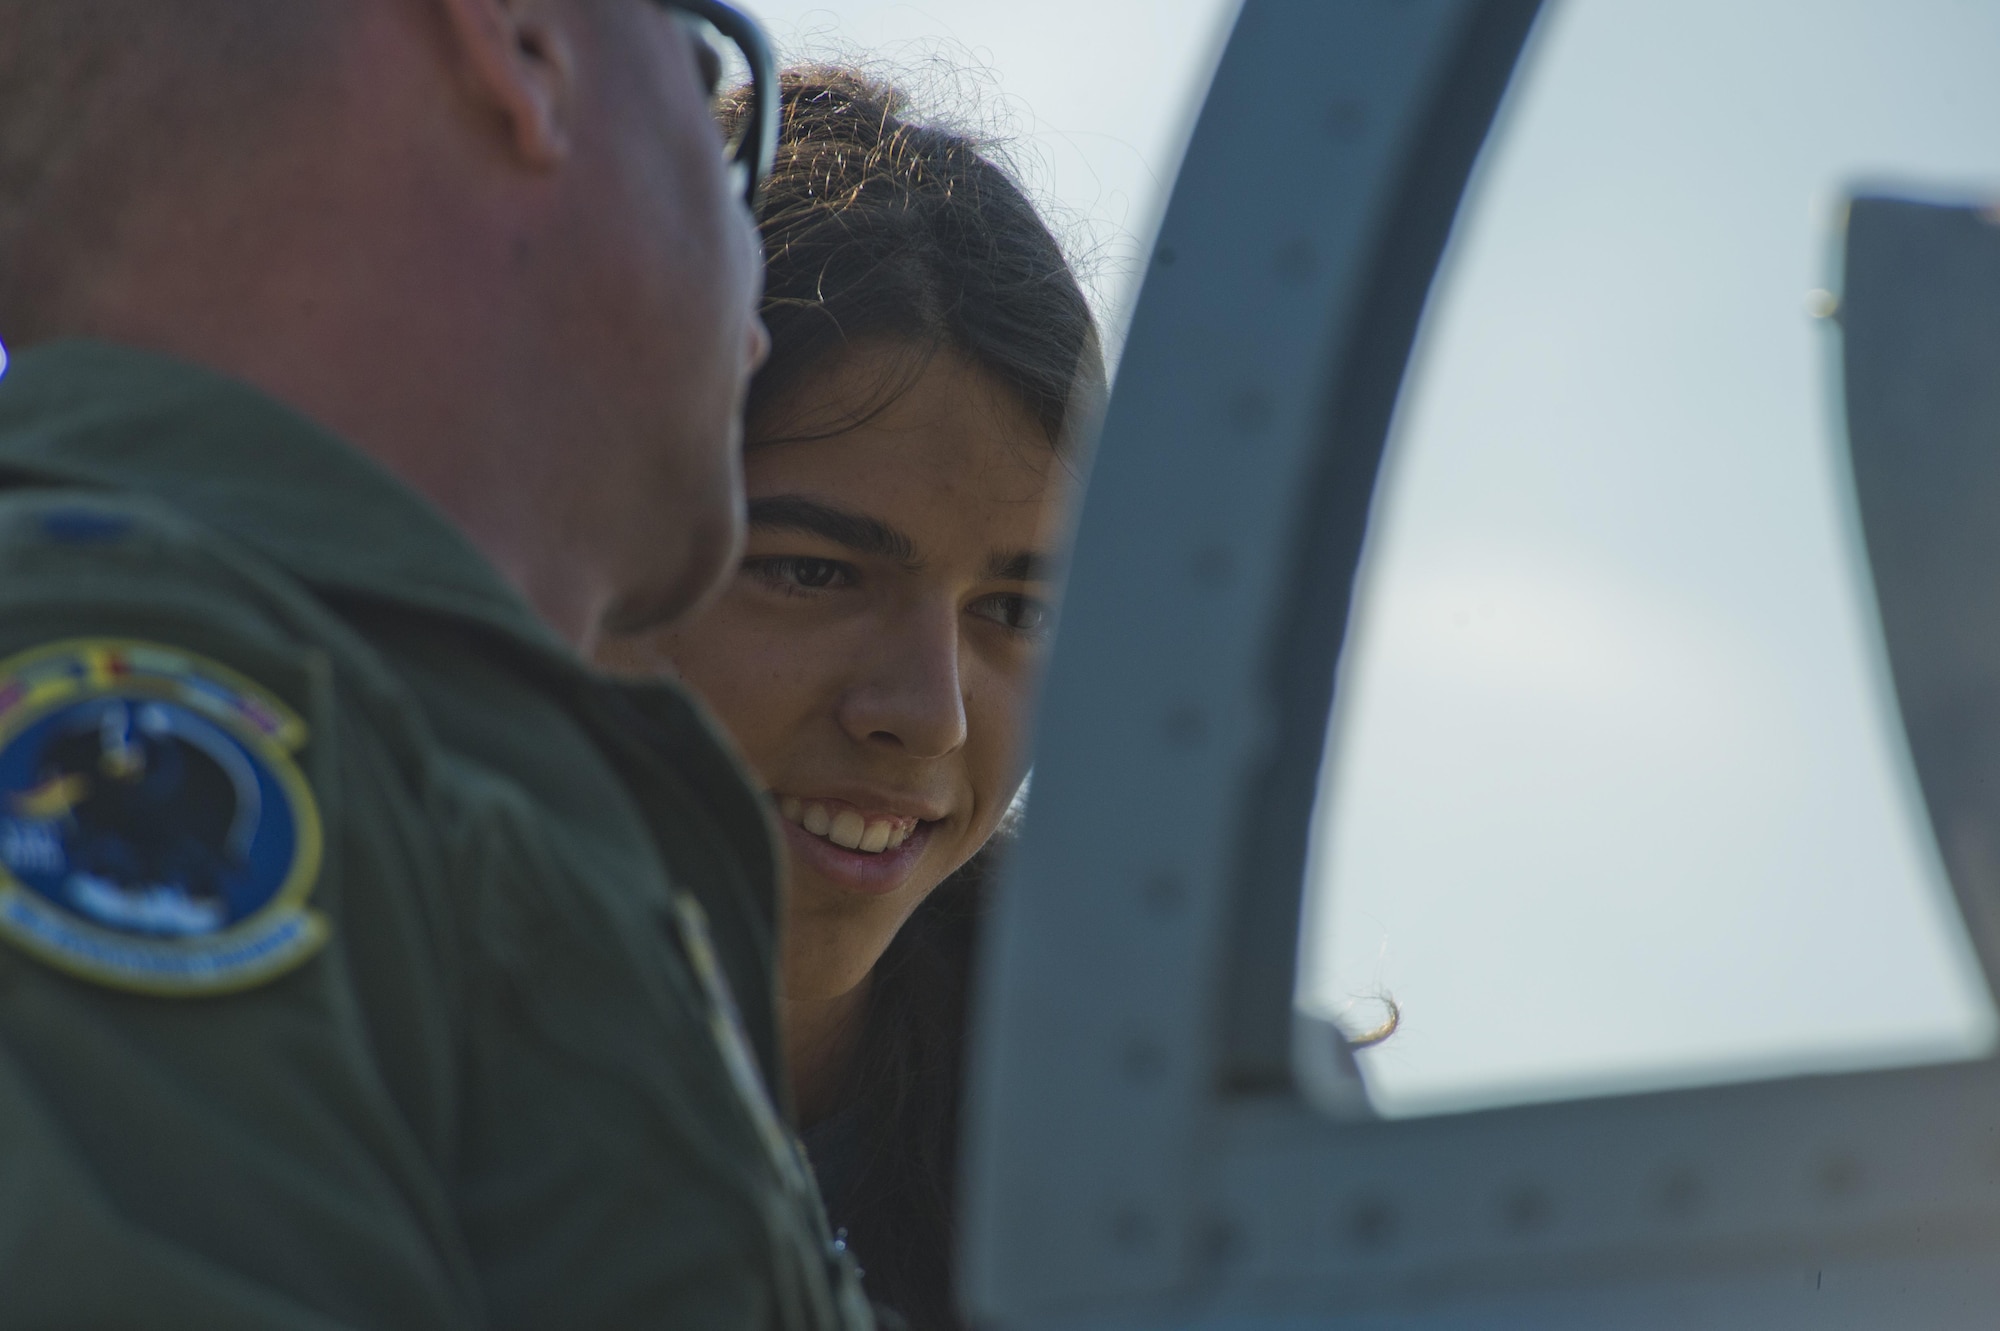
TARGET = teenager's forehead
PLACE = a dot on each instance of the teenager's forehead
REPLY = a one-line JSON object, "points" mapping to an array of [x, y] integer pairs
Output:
{"points": [[876, 421], [937, 481]]}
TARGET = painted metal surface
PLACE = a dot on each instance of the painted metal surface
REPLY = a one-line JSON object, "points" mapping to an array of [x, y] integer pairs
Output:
{"points": [[1219, 465], [1920, 316], [1139, 1155]]}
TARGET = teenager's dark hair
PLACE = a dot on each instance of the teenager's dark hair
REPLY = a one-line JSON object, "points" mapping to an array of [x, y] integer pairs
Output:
{"points": [[879, 230]]}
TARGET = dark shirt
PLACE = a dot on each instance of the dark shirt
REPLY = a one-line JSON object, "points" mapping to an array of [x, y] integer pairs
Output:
{"points": [[887, 1161], [837, 1147]]}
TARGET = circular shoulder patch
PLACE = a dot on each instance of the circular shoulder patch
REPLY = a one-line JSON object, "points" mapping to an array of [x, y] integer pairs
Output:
{"points": [[156, 833]]}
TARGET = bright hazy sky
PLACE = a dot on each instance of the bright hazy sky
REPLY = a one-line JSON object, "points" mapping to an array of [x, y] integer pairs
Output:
{"points": [[1620, 798]]}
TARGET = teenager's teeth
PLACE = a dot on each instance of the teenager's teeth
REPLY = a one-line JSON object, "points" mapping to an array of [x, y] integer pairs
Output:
{"points": [[848, 829]]}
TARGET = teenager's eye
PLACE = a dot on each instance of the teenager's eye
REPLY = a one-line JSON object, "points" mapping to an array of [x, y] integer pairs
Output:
{"points": [[1023, 614], [800, 573]]}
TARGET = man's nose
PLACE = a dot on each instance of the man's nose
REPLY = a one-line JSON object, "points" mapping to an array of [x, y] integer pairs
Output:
{"points": [[760, 344], [912, 697]]}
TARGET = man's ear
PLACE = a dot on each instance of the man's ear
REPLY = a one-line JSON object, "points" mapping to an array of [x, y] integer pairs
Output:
{"points": [[518, 59]]}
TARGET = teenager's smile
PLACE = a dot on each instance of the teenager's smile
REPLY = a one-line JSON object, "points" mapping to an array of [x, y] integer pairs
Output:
{"points": [[850, 828], [876, 652]]}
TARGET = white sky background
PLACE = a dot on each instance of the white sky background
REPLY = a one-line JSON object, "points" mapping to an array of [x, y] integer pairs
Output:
{"points": [[1619, 796], [1096, 96]]}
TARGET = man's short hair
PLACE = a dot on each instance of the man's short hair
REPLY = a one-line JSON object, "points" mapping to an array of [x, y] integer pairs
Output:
{"points": [[53, 54], [106, 91]]}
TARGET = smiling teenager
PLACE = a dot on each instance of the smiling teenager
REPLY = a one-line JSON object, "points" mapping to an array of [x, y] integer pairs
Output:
{"points": [[912, 447]]}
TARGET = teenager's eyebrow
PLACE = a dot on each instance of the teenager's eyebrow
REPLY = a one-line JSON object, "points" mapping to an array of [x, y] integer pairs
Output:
{"points": [[857, 531], [1020, 566]]}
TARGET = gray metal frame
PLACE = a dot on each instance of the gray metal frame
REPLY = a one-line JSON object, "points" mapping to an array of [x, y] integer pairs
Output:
{"points": [[1138, 1154]]}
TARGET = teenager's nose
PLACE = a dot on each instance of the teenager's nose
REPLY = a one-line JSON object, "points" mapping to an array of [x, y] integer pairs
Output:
{"points": [[911, 697]]}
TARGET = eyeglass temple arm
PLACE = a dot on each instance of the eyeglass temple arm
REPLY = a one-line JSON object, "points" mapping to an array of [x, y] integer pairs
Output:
{"points": [[759, 145]]}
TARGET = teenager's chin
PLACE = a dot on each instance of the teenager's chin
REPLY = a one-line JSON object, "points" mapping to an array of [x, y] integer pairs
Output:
{"points": [[880, 874]]}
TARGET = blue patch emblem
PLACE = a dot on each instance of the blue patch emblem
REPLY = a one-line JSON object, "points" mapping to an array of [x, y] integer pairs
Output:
{"points": [[156, 833]]}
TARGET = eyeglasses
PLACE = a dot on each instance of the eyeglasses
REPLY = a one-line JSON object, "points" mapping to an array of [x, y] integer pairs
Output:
{"points": [[756, 146]]}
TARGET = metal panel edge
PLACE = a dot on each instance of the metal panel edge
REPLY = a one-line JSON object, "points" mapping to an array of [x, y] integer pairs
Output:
{"points": [[1084, 1116]]}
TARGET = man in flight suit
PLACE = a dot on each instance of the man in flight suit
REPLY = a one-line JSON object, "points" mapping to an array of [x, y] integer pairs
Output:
{"points": [[365, 960]]}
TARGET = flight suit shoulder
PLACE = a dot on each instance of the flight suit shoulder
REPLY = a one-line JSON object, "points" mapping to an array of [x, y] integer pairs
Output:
{"points": [[161, 819], [95, 551], [203, 919]]}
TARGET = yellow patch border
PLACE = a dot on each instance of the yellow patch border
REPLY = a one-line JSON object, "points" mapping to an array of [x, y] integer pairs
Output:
{"points": [[281, 935]]}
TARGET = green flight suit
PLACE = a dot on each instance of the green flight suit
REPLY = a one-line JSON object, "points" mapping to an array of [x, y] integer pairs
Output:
{"points": [[459, 1051]]}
